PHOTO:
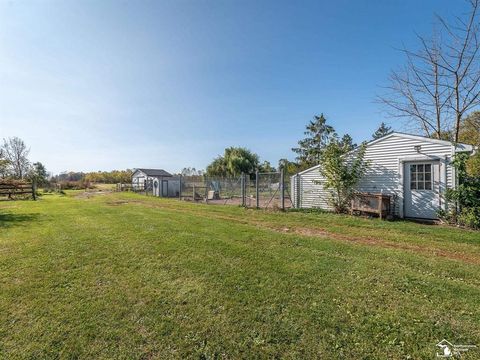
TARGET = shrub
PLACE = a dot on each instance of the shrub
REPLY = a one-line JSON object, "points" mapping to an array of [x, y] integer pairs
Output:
{"points": [[342, 169], [464, 200], [75, 185], [469, 217]]}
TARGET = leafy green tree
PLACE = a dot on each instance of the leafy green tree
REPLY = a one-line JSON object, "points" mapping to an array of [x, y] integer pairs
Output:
{"points": [[473, 165], [266, 167], [470, 134], [318, 134], [382, 131], [39, 174], [235, 161], [290, 167], [470, 129], [218, 167], [342, 169]]}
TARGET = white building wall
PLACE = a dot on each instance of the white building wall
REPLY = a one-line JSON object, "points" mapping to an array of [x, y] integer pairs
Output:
{"points": [[384, 174], [138, 179], [308, 191]]}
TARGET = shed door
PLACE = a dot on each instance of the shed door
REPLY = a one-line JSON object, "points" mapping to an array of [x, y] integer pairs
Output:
{"points": [[165, 188], [421, 189], [155, 187]]}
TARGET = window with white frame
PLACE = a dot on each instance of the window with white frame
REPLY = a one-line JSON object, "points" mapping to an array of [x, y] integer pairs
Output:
{"points": [[421, 177]]}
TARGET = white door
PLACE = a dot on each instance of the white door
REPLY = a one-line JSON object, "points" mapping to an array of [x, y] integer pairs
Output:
{"points": [[421, 189]]}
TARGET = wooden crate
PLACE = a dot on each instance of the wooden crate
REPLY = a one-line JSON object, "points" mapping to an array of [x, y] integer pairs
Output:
{"points": [[372, 203]]}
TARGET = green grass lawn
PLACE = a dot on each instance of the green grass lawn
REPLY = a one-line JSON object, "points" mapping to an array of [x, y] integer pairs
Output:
{"points": [[126, 276]]}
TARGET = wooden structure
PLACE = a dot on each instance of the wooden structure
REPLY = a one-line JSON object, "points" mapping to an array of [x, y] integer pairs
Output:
{"points": [[12, 188], [371, 203]]}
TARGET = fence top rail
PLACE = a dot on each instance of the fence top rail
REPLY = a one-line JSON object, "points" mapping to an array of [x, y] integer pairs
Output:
{"points": [[15, 186], [14, 182], [15, 192], [269, 173]]}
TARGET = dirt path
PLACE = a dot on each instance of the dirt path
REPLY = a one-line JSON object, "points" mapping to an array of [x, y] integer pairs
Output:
{"points": [[87, 194], [318, 232]]}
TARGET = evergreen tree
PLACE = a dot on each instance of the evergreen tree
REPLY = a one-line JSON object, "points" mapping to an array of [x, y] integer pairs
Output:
{"points": [[318, 134], [382, 130], [346, 142]]}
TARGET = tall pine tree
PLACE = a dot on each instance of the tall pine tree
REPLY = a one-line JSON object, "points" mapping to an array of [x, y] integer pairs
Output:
{"points": [[317, 135], [382, 130]]}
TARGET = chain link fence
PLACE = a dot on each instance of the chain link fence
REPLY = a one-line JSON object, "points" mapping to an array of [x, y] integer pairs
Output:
{"points": [[211, 189], [259, 190]]}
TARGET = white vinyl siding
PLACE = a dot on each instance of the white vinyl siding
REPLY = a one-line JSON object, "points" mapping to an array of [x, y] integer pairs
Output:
{"points": [[138, 179], [312, 193], [384, 174]]}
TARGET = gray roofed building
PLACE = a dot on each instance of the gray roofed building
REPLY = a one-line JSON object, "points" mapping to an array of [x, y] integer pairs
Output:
{"points": [[157, 182], [154, 172]]}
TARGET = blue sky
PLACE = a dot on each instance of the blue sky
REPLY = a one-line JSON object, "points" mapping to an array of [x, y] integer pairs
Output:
{"points": [[100, 85]]}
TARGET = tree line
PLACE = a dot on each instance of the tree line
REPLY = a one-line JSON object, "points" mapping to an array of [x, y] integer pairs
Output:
{"points": [[80, 180], [16, 165]]}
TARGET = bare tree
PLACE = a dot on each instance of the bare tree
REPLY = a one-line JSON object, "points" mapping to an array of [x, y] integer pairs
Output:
{"points": [[440, 82], [16, 153], [415, 91]]}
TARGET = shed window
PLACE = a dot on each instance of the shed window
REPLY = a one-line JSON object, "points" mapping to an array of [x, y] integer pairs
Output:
{"points": [[421, 177]]}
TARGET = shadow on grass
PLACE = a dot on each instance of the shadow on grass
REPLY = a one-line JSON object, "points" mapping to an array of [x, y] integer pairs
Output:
{"points": [[9, 219]]}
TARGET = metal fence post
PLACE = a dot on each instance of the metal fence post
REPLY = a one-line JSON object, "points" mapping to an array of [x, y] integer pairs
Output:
{"points": [[257, 192], [193, 199], [282, 187], [242, 187], [180, 188], [245, 186], [298, 204]]}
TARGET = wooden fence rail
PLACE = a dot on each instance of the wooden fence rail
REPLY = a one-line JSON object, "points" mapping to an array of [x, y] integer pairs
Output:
{"points": [[11, 189]]}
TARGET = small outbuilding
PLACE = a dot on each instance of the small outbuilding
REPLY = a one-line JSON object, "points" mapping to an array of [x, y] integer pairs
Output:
{"points": [[415, 171], [157, 182]]}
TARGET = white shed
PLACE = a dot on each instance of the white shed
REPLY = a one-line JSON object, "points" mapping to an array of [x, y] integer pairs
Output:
{"points": [[414, 170], [157, 181]]}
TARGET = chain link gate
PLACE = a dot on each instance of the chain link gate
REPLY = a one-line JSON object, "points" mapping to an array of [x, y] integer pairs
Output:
{"points": [[269, 190]]}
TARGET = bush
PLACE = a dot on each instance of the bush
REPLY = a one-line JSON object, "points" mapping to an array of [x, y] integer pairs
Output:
{"points": [[470, 217], [465, 199], [75, 185], [342, 169]]}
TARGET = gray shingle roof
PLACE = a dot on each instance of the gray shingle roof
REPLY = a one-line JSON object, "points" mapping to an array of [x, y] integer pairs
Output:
{"points": [[154, 172]]}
